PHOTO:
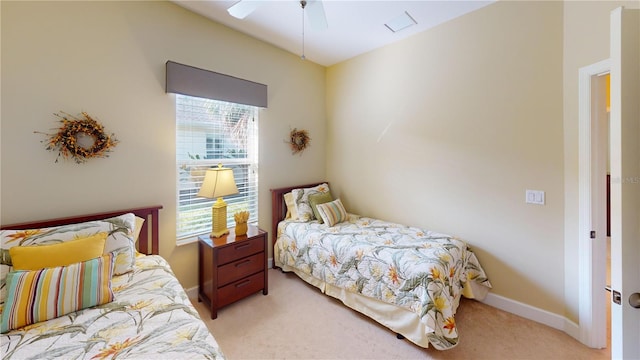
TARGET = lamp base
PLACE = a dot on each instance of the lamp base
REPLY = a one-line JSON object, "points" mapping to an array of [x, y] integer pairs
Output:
{"points": [[219, 219], [219, 233]]}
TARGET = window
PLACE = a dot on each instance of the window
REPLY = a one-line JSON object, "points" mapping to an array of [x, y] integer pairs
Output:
{"points": [[212, 132], [208, 133]]}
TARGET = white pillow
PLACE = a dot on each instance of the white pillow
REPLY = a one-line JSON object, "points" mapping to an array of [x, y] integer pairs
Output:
{"points": [[301, 199]]}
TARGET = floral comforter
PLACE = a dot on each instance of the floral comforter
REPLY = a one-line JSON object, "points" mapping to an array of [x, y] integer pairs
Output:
{"points": [[419, 270], [150, 318]]}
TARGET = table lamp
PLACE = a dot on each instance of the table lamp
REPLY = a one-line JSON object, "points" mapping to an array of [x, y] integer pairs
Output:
{"points": [[218, 182]]}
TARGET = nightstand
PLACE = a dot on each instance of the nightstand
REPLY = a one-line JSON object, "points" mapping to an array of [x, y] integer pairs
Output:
{"points": [[231, 267]]}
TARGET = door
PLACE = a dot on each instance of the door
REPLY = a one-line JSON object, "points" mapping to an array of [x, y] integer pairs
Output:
{"points": [[625, 182]]}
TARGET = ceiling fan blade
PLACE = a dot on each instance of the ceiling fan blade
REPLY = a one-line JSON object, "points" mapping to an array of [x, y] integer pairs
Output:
{"points": [[317, 17], [242, 9]]}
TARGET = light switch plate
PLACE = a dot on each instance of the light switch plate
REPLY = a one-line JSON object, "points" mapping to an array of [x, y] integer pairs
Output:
{"points": [[534, 197]]}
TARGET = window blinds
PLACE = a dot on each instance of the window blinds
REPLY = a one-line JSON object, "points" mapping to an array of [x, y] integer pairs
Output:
{"points": [[208, 133]]}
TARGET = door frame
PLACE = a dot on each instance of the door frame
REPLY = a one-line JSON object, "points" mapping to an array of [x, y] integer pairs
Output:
{"points": [[592, 259]]}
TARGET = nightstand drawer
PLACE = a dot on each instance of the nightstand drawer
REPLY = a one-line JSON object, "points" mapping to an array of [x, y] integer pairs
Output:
{"points": [[240, 268], [240, 289], [240, 249]]}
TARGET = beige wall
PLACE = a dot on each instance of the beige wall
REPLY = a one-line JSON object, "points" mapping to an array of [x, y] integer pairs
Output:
{"points": [[456, 122], [586, 41], [108, 59], [447, 130]]}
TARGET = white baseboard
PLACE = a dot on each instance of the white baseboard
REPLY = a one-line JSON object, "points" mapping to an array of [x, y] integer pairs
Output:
{"points": [[526, 311], [535, 314], [192, 293], [572, 329]]}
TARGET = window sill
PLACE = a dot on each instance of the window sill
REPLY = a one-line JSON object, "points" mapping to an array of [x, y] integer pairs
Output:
{"points": [[188, 240]]}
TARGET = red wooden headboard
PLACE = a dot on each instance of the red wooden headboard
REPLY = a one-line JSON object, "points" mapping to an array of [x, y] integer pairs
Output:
{"points": [[148, 242], [279, 210]]}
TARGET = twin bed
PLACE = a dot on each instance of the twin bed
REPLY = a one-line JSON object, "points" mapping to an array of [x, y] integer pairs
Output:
{"points": [[407, 279], [148, 316]]}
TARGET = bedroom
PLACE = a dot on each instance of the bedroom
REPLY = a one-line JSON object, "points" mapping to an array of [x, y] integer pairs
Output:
{"points": [[458, 169]]}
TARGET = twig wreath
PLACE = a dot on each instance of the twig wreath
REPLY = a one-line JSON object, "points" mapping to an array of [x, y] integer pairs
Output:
{"points": [[299, 140], [66, 140]]}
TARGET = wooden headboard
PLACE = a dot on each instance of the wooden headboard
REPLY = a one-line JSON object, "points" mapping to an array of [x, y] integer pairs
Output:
{"points": [[279, 209], [148, 242]]}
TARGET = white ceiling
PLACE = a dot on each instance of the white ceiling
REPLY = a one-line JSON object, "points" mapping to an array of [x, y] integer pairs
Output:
{"points": [[354, 27]]}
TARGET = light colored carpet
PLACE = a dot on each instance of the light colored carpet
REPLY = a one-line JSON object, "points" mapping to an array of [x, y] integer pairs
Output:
{"points": [[296, 321]]}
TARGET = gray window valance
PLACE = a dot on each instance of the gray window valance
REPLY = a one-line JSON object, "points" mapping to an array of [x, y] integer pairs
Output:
{"points": [[192, 81]]}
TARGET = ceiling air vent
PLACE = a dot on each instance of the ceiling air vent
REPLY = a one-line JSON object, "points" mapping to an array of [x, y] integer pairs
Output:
{"points": [[401, 22]]}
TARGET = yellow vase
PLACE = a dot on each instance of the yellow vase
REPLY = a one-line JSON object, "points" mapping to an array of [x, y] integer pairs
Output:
{"points": [[241, 229]]}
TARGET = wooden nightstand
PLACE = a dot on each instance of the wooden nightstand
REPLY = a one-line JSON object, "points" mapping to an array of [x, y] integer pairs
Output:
{"points": [[231, 267]]}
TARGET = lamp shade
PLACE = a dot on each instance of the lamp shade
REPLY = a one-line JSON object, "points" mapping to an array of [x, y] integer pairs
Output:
{"points": [[218, 182]]}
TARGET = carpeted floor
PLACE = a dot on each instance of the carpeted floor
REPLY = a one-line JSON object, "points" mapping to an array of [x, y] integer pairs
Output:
{"points": [[296, 321]]}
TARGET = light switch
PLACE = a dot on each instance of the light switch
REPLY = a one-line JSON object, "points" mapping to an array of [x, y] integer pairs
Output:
{"points": [[534, 197]]}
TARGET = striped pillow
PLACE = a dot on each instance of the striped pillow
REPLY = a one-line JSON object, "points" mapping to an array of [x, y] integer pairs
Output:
{"points": [[40, 295], [332, 212]]}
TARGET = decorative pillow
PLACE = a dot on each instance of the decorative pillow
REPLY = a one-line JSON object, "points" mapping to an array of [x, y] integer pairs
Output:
{"points": [[62, 254], [33, 297], [137, 228], [301, 199], [136, 233], [332, 212], [292, 214], [315, 200], [120, 241]]}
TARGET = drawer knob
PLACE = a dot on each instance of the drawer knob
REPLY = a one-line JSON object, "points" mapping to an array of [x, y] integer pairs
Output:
{"points": [[243, 263], [242, 246], [246, 282]]}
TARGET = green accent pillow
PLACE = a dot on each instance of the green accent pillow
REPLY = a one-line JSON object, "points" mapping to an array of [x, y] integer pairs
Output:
{"points": [[316, 199]]}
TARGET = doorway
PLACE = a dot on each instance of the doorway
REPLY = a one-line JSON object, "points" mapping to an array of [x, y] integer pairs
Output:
{"points": [[593, 169], [600, 95]]}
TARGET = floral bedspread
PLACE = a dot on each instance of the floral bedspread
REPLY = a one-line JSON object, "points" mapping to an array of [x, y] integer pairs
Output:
{"points": [[150, 318], [416, 269]]}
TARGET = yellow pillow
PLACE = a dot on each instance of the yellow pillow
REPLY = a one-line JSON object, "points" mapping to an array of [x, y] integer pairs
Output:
{"points": [[62, 254], [137, 229], [136, 234], [291, 207]]}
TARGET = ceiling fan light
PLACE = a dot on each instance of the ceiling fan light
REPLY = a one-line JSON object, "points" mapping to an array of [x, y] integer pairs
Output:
{"points": [[401, 22]]}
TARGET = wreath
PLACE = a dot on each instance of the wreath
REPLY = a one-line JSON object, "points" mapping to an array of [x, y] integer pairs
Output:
{"points": [[299, 140], [65, 141]]}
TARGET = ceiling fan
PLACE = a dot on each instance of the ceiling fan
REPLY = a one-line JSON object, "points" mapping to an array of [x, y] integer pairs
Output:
{"points": [[313, 8]]}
